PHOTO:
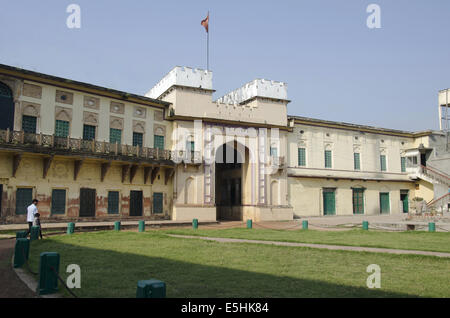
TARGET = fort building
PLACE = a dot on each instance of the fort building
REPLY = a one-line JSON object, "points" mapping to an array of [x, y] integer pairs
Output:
{"points": [[87, 152]]}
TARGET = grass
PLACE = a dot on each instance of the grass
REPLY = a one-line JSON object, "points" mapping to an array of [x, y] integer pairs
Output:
{"points": [[113, 262], [424, 241]]}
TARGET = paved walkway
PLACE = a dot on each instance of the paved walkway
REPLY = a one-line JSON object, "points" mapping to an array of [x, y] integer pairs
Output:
{"points": [[12, 286], [99, 224], [320, 246]]}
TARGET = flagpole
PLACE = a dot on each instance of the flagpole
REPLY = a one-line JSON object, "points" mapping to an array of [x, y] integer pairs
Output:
{"points": [[207, 46]]}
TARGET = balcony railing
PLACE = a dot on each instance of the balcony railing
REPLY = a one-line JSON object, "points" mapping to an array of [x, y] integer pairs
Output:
{"points": [[80, 145], [187, 157], [276, 161]]}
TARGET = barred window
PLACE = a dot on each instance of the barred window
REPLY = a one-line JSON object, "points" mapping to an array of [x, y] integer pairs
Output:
{"points": [[62, 128], [29, 124]]}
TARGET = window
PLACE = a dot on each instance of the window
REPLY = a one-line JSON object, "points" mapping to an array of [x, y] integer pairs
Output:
{"points": [[29, 124], [62, 128], [384, 203], [24, 196], [383, 162], [403, 164], [328, 161], [113, 202], [273, 152], [190, 146], [115, 136], [157, 203], [58, 201], [329, 202], [88, 132], [158, 142], [138, 139], [358, 201], [356, 160], [302, 157]]}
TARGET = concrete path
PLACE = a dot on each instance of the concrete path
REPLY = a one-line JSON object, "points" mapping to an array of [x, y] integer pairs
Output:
{"points": [[86, 225], [320, 246], [11, 285]]}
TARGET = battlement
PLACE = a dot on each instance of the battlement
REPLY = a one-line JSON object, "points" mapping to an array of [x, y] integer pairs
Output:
{"points": [[256, 88], [182, 76]]}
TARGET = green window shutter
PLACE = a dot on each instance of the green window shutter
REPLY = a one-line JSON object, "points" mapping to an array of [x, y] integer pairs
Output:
{"points": [[138, 139], [58, 201], [24, 196], [384, 203], [328, 162], [358, 201], [61, 128], [403, 164], [115, 136], [273, 152], [357, 162], [157, 203], [329, 202], [89, 132], [113, 202], [383, 162], [190, 146], [301, 157], [158, 142], [29, 124]]}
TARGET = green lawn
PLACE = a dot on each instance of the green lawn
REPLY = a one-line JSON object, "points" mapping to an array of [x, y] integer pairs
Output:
{"points": [[112, 263], [424, 241]]}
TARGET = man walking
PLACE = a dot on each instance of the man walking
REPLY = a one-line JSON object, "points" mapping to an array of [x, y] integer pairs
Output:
{"points": [[31, 211]]}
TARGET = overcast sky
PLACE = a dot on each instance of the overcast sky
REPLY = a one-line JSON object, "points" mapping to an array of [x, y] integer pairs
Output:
{"points": [[335, 66]]}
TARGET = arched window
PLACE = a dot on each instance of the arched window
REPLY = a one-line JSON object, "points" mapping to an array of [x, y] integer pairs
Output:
{"points": [[6, 108]]}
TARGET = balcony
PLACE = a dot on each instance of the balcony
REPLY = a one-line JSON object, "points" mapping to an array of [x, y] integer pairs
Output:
{"points": [[277, 162], [50, 144], [187, 157]]}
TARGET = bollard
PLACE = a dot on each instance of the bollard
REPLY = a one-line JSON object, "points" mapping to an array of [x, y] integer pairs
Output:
{"points": [[249, 224], [21, 252], [151, 289], [305, 225], [195, 224], [21, 234], [117, 226], [141, 226], [48, 273], [34, 234], [431, 227], [70, 228], [365, 225]]}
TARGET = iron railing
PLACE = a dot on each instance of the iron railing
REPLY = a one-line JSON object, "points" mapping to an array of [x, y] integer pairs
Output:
{"points": [[80, 145]]}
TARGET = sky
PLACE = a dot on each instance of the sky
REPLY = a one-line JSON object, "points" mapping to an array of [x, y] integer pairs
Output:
{"points": [[335, 66]]}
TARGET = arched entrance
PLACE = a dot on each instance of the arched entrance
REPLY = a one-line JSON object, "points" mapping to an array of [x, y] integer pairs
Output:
{"points": [[230, 167], [6, 108]]}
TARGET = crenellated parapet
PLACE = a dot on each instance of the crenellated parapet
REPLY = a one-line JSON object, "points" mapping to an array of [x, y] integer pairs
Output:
{"points": [[256, 88], [182, 76]]}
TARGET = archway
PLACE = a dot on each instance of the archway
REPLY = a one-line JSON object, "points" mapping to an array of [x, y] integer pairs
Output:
{"points": [[230, 176], [6, 108]]}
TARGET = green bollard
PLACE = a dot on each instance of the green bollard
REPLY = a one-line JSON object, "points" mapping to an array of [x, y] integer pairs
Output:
{"points": [[21, 234], [431, 227], [70, 228], [48, 270], [365, 225], [305, 225], [249, 224], [195, 224], [21, 252], [34, 234], [141, 226], [117, 226], [151, 289]]}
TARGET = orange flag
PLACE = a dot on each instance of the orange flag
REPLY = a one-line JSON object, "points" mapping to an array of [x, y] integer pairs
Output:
{"points": [[205, 23]]}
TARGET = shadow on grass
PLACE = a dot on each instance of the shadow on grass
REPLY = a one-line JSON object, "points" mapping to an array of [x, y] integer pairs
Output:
{"points": [[107, 273]]}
